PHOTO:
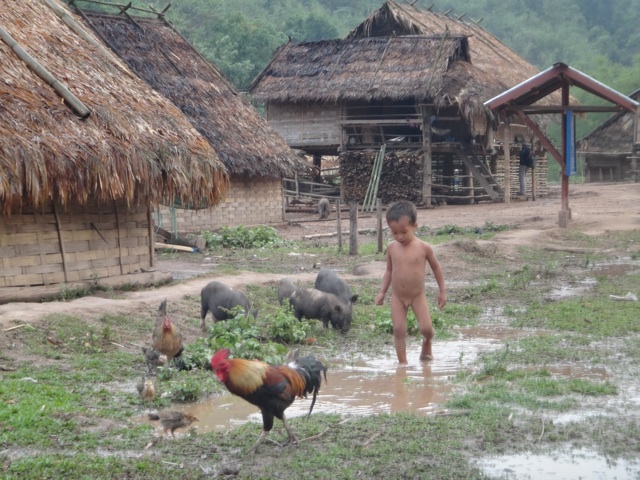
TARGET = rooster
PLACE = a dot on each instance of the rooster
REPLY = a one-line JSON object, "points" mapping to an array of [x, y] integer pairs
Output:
{"points": [[271, 388], [166, 338]]}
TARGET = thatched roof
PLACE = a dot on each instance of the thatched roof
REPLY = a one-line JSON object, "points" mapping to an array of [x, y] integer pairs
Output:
{"points": [[615, 135], [156, 52], [134, 145], [363, 69], [487, 67]]}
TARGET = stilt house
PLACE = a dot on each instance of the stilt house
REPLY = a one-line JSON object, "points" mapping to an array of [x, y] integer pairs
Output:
{"points": [[611, 152], [413, 80], [86, 150], [253, 153]]}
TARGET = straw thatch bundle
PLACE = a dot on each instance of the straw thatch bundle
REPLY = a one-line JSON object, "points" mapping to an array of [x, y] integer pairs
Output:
{"points": [[156, 52], [135, 145], [362, 69]]}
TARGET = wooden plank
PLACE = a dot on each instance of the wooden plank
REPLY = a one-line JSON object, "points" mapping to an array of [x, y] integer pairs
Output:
{"points": [[60, 241]]}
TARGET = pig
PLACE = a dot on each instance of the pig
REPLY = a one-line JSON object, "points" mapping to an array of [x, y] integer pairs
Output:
{"points": [[285, 289], [324, 208], [326, 307], [329, 281], [216, 296]]}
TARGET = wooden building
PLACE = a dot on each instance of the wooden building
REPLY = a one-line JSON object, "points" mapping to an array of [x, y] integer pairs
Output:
{"points": [[609, 150], [254, 154], [86, 150], [414, 80]]}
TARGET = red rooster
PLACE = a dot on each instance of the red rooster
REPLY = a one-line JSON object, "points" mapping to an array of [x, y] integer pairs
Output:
{"points": [[271, 388]]}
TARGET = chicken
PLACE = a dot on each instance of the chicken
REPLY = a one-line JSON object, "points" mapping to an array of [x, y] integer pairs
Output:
{"points": [[171, 420], [147, 389], [153, 358], [271, 388], [166, 338]]}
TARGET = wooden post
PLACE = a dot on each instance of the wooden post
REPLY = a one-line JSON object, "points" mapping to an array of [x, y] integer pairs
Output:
{"points": [[118, 236], [533, 184], [152, 240], [353, 228], [339, 224], [507, 162], [297, 185], [426, 157], [565, 211], [60, 241], [379, 223]]}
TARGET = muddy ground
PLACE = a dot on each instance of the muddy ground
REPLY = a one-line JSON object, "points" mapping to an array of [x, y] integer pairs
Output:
{"points": [[596, 208]]}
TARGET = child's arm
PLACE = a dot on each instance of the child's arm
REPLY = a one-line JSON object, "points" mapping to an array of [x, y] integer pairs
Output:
{"points": [[436, 268], [386, 281]]}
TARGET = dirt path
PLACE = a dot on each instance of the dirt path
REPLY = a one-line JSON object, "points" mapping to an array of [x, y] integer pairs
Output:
{"points": [[596, 209]]}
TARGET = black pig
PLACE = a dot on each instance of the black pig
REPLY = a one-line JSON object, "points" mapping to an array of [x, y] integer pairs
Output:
{"points": [[285, 289], [312, 303], [329, 281], [217, 298], [324, 208]]}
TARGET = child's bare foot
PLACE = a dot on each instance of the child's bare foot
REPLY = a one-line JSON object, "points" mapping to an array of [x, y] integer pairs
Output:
{"points": [[426, 354]]}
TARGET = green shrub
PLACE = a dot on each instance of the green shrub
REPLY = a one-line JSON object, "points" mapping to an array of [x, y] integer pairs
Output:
{"points": [[242, 237], [285, 328]]}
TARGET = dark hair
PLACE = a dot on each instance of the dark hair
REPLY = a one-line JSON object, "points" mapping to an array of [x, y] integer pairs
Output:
{"points": [[402, 208]]}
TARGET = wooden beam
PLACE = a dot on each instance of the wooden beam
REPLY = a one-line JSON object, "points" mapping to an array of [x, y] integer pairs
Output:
{"points": [[545, 109], [507, 163], [61, 242], [546, 143]]}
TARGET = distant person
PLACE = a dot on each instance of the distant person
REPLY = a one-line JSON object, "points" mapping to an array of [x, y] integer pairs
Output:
{"points": [[407, 257], [526, 162]]}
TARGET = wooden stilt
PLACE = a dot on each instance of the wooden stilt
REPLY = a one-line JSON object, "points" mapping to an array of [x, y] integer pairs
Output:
{"points": [[60, 241]]}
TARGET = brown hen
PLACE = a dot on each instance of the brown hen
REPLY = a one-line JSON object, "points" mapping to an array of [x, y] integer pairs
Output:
{"points": [[166, 338]]}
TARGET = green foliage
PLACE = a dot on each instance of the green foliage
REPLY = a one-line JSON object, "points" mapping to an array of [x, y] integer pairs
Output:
{"points": [[284, 327], [243, 237], [241, 336], [186, 388]]}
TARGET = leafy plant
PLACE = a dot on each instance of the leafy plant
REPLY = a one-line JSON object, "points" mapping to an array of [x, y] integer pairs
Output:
{"points": [[284, 327], [241, 336], [243, 237]]}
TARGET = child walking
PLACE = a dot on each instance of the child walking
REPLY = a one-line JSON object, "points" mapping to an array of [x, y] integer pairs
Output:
{"points": [[407, 257]]}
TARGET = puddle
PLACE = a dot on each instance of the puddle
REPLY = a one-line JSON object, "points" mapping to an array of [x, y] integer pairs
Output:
{"points": [[615, 270], [577, 463], [565, 291], [368, 386]]}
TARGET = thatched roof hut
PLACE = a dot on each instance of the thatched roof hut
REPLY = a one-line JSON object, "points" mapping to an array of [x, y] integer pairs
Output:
{"points": [[363, 69], [471, 65], [78, 176], [159, 54], [135, 145], [608, 149]]}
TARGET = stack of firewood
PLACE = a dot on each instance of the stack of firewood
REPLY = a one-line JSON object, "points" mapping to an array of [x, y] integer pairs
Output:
{"points": [[401, 176]]}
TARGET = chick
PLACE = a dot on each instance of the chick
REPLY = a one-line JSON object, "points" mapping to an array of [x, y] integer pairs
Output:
{"points": [[173, 419], [153, 358], [147, 389]]}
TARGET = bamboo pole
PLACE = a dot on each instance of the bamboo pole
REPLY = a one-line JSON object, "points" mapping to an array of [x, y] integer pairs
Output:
{"points": [[115, 209], [74, 102], [61, 242], [339, 225], [82, 33], [379, 223], [151, 235], [353, 228], [507, 163]]}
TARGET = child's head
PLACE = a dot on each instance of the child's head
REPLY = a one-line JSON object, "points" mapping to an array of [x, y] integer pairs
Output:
{"points": [[402, 219], [402, 208]]}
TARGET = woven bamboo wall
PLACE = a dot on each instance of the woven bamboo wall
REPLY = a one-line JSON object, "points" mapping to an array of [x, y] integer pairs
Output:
{"points": [[542, 188], [249, 202], [99, 241]]}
